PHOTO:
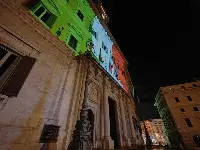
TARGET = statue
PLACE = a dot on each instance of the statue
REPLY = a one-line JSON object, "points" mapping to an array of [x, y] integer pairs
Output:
{"points": [[82, 134]]}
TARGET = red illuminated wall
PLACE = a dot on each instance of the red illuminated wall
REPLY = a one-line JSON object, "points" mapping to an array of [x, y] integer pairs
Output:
{"points": [[118, 59]]}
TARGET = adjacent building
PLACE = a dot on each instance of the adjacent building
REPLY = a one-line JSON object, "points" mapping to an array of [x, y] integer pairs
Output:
{"points": [[155, 129], [179, 108], [43, 73]]}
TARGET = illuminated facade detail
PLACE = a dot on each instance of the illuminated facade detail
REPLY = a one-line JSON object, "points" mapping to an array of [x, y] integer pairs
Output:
{"points": [[42, 88], [76, 28], [176, 105], [155, 129]]}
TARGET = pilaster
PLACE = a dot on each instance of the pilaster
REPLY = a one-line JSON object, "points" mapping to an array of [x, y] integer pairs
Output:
{"points": [[125, 138], [133, 139]]}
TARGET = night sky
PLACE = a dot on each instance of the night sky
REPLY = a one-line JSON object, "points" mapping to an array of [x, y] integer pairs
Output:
{"points": [[160, 40]]}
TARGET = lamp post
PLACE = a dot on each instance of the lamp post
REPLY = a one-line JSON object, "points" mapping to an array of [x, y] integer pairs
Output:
{"points": [[82, 133]]}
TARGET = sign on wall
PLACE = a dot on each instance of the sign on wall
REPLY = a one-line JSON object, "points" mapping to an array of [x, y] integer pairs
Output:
{"points": [[49, 134]]}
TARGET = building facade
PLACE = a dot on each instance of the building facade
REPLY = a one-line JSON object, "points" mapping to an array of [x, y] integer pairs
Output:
{"points": [[179, 106], [43, 73], [155, 129]]}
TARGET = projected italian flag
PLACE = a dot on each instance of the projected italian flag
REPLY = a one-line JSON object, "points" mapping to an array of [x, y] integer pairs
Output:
{"points": [[108, 54]]}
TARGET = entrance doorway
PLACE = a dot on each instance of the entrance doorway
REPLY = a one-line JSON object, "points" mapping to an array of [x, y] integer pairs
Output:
{"points": [[91, 119], [113, 122]]}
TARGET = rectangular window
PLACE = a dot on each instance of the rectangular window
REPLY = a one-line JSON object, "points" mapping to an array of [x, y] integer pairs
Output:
{"points": [[80, 15], [189, 98], [14, 70], [104, 47], [40, 11], [177, 99], [7, 58], [45, 16], [95, 34], [90, 28], [189, 124], [195, 109], [182, 87], [73, 42], [182, 110], [194, 85]]}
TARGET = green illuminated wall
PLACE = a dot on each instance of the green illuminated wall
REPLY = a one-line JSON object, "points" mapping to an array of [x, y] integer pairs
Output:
{"points": [[75, 23], [64, 17]]}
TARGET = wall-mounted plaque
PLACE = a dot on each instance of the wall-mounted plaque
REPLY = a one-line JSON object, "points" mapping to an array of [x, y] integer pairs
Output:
{"points": [[49, 134]]}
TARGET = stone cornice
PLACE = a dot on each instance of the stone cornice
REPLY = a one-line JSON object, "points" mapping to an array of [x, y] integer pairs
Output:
{"points": [[180, 90], [16, 44]]}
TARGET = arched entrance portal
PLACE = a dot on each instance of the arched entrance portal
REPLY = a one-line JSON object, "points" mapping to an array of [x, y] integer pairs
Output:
{"points": [[113, 122], [91, 119]]}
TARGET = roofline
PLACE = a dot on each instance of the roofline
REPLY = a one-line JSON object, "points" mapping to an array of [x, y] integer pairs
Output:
{"points": [[106, 28]]}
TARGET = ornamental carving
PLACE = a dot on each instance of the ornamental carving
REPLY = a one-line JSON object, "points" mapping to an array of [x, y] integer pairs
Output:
{"points": [[92, 91], [107, 83]]}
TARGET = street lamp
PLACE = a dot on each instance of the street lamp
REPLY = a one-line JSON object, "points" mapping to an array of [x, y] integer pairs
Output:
{"points": [[81, 139]]}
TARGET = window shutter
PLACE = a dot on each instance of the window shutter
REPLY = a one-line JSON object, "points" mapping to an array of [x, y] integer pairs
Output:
{"points": [[18, 77], [51, 20]]}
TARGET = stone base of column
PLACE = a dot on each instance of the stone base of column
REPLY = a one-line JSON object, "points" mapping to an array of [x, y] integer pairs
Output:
{"points": [[127, 143], [106, 143], [133, 142]]}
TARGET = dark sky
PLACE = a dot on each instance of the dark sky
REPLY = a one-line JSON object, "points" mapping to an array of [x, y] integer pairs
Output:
{"points": [[160, 40]]}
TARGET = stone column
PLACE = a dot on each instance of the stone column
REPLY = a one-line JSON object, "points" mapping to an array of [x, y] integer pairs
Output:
{"points": [[108, 143], [126, 141], [72, 106], [102, 114], [133, 139]]}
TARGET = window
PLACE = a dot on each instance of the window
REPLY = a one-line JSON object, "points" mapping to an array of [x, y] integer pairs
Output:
{"points": [[189, 98], [189, 124], [104, 47], [195, 109], [177, 100], [46, 16], [80, 15], [39, 11], [95, 34], [14, 70], [194, 85], [73, 42], [7, 58], [2, 53], [182, 110], [182, 87], [90, 28]]}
